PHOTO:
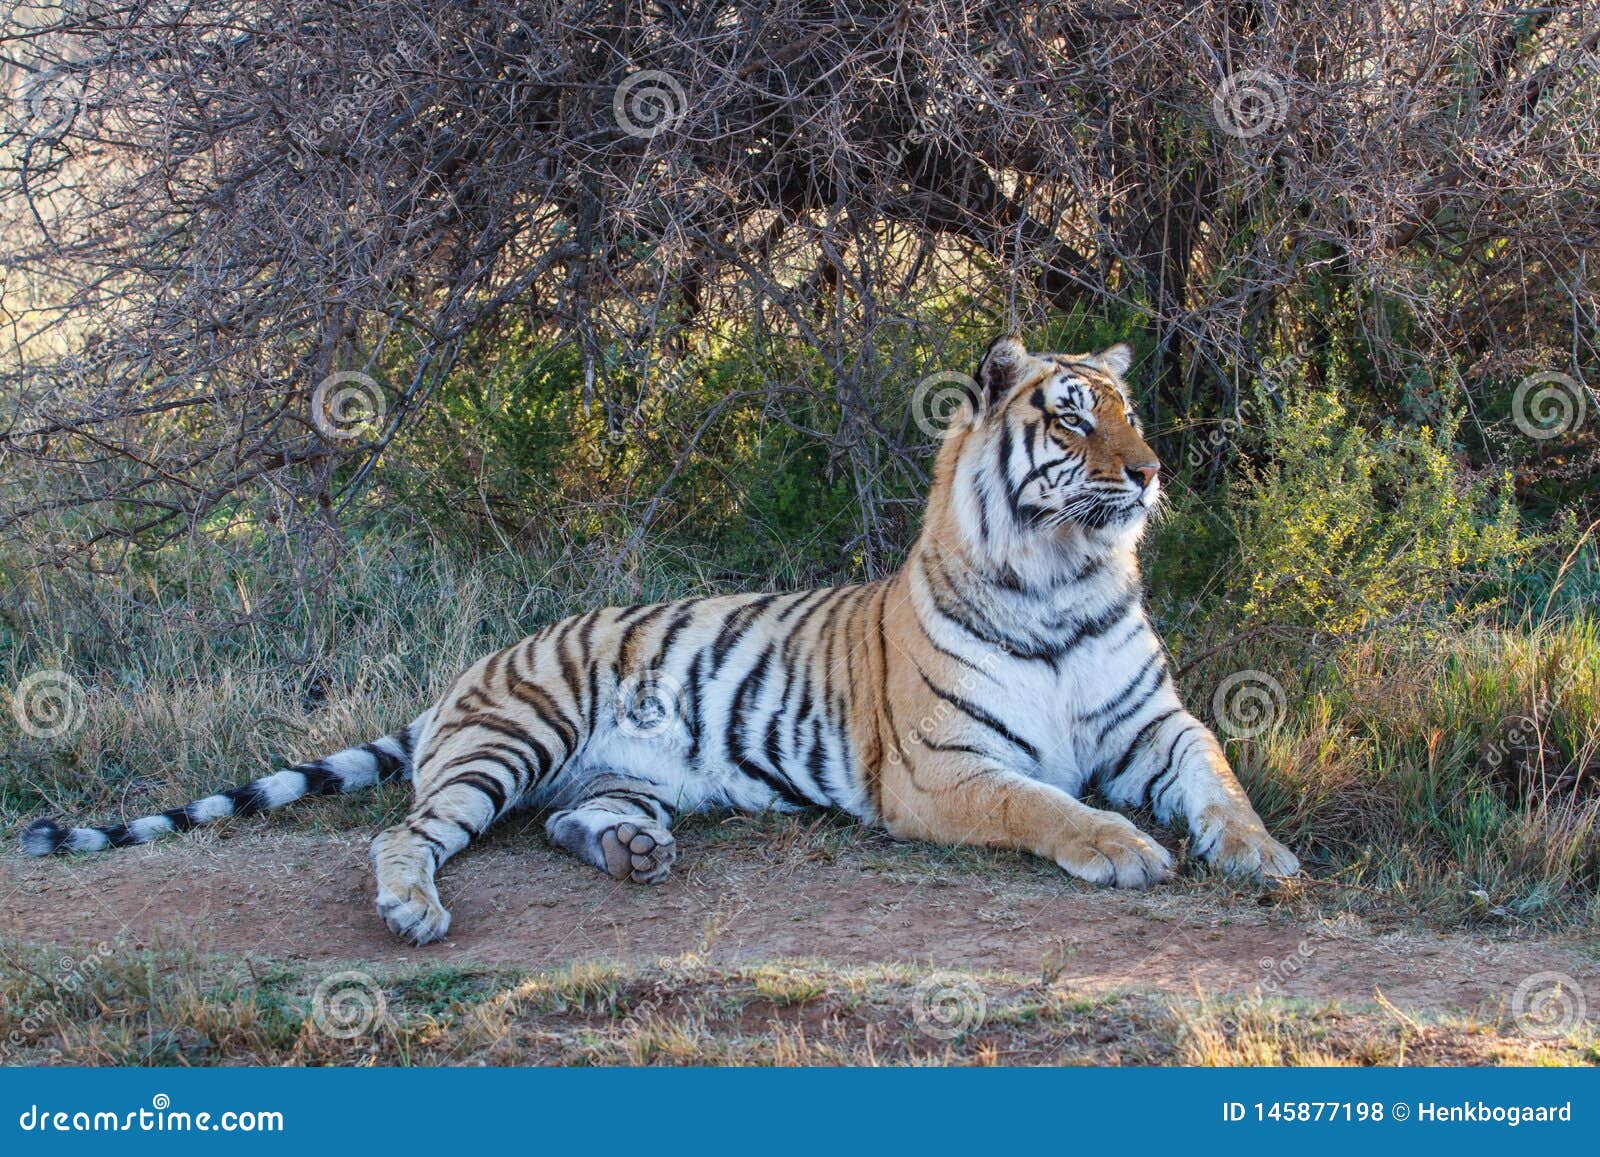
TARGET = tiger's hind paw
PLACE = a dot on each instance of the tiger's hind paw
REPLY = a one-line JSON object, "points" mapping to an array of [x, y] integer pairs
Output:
{"points": [[641, 853]]}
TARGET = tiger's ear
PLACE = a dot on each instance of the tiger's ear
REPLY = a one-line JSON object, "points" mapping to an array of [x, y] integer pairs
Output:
{"points": [[1115, 360], [1001, 367]]}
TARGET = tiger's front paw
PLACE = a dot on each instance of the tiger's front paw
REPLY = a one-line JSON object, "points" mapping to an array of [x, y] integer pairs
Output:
{"points": [[1240, 846], [1114, 852], [417, 915]]}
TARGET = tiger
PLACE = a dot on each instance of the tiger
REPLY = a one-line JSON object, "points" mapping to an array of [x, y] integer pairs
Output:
{"points": [[970, 698]]}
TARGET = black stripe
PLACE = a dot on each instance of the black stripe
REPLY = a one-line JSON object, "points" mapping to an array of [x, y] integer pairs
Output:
{"points": [[320, 779], [945, 651], [733, 629], [246, 800], [430, 814], [642, 623], [1007, 435], [390, 766], [979, 627], [1133, 709], [977, 713], [674, 629], [980, 487], [696, 692], [817, 763], [436, 844], [586, 635], [1089, 629], [569, 669], [480, 781], [640, 799], [1169, 766], [525, 771], [750, 686], [1138, 741], [783, 616], [534, 695], [594, 695], [966, 749]]}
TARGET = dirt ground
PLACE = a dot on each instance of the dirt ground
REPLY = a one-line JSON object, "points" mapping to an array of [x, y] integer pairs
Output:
{"points": [[742, 893]]}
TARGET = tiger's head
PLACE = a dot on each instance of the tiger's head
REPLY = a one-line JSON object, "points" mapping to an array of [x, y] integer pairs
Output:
{"points": [[1051, 448]]}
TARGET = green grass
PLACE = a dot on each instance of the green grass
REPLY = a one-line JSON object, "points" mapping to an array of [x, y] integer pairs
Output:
{"points": [[1377, 768]]}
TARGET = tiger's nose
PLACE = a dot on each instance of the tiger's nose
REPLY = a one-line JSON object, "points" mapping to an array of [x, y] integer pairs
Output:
{"points": [[1144, 473]]}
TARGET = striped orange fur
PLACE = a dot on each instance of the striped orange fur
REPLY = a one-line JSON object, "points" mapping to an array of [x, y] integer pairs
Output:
{"points": [[969, 699]]}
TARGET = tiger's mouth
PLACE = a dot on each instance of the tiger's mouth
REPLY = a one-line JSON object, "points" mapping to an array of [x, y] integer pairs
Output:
{"points": [[1111, 512], [1103, 516]]}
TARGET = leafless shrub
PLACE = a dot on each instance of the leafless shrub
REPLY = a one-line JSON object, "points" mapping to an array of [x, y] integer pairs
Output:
{"points": [[210, 207]]}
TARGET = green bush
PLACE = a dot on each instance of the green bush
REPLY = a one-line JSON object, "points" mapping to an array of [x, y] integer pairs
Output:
{"points": [[1344, 527]]}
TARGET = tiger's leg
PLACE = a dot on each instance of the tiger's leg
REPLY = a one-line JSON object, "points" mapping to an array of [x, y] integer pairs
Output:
{"points": [[1175, 764], [457, 799], [952, 801], [619, 824]]}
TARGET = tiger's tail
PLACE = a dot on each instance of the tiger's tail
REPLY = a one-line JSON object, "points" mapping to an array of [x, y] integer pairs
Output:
{"points": [[349, 770]]}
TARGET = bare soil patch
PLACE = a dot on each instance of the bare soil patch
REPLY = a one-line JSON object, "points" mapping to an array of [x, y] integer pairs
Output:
{"points": [[745, 892]]}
